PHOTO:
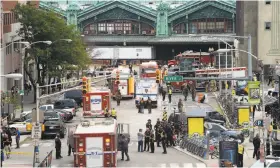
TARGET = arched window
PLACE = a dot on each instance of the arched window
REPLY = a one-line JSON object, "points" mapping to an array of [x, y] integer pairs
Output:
{"points": [[118, 27], [210, 25]]}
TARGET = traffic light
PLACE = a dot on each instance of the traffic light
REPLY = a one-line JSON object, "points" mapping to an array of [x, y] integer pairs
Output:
{"points": [[157, 75], [118, 77], [85, 85]]}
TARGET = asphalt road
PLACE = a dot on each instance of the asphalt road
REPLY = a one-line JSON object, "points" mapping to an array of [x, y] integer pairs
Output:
{"points": [[127, 113]]}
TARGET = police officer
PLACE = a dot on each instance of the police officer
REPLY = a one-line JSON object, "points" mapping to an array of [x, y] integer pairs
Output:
{"points": [[114, 113], [58, 147], [152, 142], [240, 154], [169, 94], [163, 141], [149, 124], [193, 91], [185, 91], [149, 105], [157, 132], [163, 93], [147, 135]]}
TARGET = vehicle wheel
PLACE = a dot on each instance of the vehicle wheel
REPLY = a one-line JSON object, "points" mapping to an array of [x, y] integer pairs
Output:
{"points": [[13, 131]]}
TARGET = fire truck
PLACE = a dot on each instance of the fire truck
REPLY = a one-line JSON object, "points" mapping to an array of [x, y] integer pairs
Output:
{"points": [[96, 142], [122, 80], [148, 69], [95, 101]]}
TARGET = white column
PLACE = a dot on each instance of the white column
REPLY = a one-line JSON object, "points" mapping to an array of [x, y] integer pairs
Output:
{"points": [[275, 29]]}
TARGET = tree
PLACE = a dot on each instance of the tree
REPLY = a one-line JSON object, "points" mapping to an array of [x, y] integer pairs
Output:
{"points": [[41, 25]]}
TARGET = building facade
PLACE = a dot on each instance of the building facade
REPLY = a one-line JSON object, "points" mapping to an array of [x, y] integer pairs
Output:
{"points": [[10, 54], [169, 27], [261, 20]]}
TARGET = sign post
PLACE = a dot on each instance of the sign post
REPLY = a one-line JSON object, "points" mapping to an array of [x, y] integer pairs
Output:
{"points": [[173, 78], [254, 96]]}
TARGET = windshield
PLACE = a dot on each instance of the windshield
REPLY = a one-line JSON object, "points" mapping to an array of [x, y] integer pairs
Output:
{"points": [[64, 103], [73, 93]]}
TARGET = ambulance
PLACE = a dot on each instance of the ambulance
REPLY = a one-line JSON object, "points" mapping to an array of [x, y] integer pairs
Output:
{"points": [[146, 88], [95, 102], [126, 83]]}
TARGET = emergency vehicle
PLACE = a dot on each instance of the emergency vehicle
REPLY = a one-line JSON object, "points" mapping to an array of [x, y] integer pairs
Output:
{"points": [[126, 83], [95, 102], [148, 69], [146, 88], [96, 141]]}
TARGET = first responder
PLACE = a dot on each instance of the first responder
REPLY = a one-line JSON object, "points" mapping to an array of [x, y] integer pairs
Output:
{"points": [[213, 86], [149, 105], [114, 113], [157, 132], [185, 91], [118, 97], [193, 91], [240, 154], [106, 112], [180, 106], [169, 94], [163, 141]]}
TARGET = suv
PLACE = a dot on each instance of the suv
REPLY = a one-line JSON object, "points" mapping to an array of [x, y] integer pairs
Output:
{"points": [[53, 125], [77, 95], [68, 105]]}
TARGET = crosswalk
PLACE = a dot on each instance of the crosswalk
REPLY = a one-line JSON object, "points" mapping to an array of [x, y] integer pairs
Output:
{"points": [[41, 144], [159, 165]]}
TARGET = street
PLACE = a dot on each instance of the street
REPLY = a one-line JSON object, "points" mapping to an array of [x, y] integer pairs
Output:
{"points": [[127, 113]]}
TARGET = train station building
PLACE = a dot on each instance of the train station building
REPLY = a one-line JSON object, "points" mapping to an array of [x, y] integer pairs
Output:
{"points": [[168, 28]]}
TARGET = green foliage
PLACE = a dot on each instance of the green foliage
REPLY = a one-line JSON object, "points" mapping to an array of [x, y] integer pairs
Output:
{"points": [[41, 25]]}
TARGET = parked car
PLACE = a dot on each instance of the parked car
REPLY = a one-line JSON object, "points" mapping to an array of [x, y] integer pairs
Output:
{"points": [[215, 117], [46, 107], [67, 104], [21, 126], [217, 131], [65, 115], [77, 95], [53, 125]]}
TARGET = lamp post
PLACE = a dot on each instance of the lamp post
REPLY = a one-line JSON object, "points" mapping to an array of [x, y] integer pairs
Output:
{"points": [[262, 72]]}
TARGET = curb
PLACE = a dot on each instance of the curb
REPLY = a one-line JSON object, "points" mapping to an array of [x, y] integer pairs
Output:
{"points": [[190, 154]]}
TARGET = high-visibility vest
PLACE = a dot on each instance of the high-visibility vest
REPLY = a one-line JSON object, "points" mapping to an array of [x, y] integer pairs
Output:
{"points": [[169, 91], [270, 128], [255, 78], [240, 149], [114, 113]]}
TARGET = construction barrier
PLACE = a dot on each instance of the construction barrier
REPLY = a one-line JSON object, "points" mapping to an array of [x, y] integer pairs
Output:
{"points": [[164, 116]]}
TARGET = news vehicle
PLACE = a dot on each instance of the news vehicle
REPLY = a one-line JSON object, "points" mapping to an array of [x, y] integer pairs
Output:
{"points": [[122, 80], [95, 101]]}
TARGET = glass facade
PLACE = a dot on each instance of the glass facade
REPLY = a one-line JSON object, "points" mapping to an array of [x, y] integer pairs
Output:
{"points": [[205, 26], [119, 27]]}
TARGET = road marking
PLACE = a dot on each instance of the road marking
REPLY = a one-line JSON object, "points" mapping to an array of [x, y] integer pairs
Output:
{"points": [[47, 144], [163, 165], [174, 165], [24, 145], [200, 165], [188, 165]]}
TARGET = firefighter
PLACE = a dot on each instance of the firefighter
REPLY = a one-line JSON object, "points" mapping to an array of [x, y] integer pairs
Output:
{"points": [[149, 105], [180, 106], [185, 91], [169, 94], [163, 93], [240, 154], [163, 141], [58, 147], [114, 113], [193, 92], [152, 142], [106, 112], [118, 97]]}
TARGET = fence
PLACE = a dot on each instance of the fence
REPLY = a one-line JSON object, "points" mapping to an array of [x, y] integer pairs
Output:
{"points": [[47, 162]]}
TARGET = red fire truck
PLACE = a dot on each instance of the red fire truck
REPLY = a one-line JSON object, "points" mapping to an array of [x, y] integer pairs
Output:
{"points": [[95, 143], [148, 69], [95, 102]]}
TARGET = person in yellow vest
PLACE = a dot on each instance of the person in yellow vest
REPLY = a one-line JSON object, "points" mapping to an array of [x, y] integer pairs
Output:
{"points": [[114, 113], [240, 154], [106, 112], [169, 94], [255, 78]]}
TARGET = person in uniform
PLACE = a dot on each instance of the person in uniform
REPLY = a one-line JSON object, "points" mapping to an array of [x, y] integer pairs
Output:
{"points": [[240, 154], [213, 86], [58, 147], [169, 94], [147, 139], [114, 113], [152, 142], [163, 141], [106, 112], [118, 97], [180, 106], [149, 105], [157, 132], [163, 93], [193, 92], [185, 91], [70, 142], [141, 105], [149, 124], [124, 147]]}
